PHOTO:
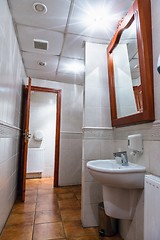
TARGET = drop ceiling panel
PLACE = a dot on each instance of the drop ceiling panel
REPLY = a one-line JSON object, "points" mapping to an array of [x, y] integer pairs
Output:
{"points": [[65, 65], [74, 45], [55, 18], [26, 36], [86, 11], [67, 42], [40, 74], [70, 78], [31, 61]]}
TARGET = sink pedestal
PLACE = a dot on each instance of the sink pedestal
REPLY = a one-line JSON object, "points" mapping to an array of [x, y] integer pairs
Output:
{"points": [[120, 203]]}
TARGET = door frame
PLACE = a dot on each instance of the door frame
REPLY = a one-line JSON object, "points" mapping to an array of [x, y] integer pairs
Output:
{"points": [[58, 121]]}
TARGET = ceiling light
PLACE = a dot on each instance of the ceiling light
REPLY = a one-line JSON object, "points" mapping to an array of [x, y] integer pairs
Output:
{"points": [[96, 18], [75, 67], [42, 64], [40, 8]]}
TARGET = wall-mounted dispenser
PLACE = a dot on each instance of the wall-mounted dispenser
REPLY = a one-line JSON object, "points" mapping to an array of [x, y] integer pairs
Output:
{"points": [[38, 135], [135, 143]]}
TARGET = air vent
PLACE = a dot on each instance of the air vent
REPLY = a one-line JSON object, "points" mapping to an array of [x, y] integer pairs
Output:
{"points": [[40, 44]]}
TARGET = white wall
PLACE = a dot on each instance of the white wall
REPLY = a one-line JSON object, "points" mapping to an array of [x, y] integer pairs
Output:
{"points": [[11, 72], [71, 131], [151, 136], [43, 117], [97, 131], [117, 138]]}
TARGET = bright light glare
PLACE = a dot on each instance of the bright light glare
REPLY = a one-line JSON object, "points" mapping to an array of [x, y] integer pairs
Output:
{"points": [[96, 18], [75, 68]]}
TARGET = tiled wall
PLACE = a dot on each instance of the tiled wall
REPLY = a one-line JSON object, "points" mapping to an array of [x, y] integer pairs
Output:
{"points": [[133, 230], [43, 117], [130, 230], [151, 136], [11, 72], [97, 131], [71, 131]]}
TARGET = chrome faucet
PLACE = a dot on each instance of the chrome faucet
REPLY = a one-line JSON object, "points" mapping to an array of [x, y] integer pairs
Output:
{"points": [[123, 156]]}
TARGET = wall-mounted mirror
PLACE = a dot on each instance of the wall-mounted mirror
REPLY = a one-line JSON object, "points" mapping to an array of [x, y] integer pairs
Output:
{"points": [[130, 67]]}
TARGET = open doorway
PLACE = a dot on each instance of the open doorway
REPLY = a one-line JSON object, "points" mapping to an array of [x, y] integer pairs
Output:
{"points": [[42, 129], [26, 134]]}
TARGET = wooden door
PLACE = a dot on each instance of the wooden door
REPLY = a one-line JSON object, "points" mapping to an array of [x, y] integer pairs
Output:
{"points": [[26, 136]]}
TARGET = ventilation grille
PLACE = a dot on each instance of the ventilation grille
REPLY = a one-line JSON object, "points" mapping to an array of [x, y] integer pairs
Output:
{"points": [[40, 44]]}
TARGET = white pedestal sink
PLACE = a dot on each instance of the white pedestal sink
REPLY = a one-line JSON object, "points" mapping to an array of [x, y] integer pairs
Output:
{"points": [[122, 186]]}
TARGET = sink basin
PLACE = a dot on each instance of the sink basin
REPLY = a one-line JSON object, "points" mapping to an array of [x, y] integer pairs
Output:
{"points": [[110, 173], [121, 186]]}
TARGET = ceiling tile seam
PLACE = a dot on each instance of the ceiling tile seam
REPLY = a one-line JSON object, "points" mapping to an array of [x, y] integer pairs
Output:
{"points": [[36, 52], [39, 70], [56, 31], [65, 32]]}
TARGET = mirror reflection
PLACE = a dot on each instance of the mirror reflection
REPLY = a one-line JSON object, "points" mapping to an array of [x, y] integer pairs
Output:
{"points": [[128, 88]]}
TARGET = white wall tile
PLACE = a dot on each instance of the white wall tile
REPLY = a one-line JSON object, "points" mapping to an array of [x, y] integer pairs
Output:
{"points": [[92, 117], [90, 215], [91, 149], [11, 72], [93, 192], [107, 149]]}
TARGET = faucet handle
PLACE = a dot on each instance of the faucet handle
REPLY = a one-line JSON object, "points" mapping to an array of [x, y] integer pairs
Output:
{"points": [[124, 159], [123, 156]]}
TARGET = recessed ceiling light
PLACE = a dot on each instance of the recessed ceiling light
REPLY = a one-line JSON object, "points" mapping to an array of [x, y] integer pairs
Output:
{"points": [[39, 8], [42, 64]]}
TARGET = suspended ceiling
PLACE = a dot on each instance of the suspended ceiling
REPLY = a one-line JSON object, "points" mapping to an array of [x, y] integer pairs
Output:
{"points": [[65, 27]]}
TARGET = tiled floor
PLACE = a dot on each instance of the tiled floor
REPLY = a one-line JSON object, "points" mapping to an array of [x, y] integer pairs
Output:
{"points": [[48, 213]]}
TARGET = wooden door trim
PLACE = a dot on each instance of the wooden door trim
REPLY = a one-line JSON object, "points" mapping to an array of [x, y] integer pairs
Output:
{"points": [[25, 139], [58, 121]]}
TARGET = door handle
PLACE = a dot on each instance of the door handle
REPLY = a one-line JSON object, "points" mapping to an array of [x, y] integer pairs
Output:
{"points": [[26, 136]]}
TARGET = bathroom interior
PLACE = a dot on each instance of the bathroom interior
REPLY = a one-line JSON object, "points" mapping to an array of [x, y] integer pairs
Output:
{"points": [[101, 58]]}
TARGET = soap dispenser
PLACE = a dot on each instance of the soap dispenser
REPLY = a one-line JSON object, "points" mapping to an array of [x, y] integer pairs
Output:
{"points": [[135, 143]]}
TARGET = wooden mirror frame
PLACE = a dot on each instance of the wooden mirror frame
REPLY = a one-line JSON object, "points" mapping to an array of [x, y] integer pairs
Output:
{"points": [[141, 13]]}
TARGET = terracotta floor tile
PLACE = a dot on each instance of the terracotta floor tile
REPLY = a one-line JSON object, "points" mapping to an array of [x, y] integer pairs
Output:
{"points": [[46, 184], [46, 206], [54, 213], [45, 191], [31, 185], [62, 196], [116, 237], [71, 214], [62, 190], [46, 180], [75, 229], [69, 204], [48, 231], [85, 238], [17, 232], [49, 197], [31, 199], [31, 193], [47, 216], [76, 189], [24, 207], [19, 218]]}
